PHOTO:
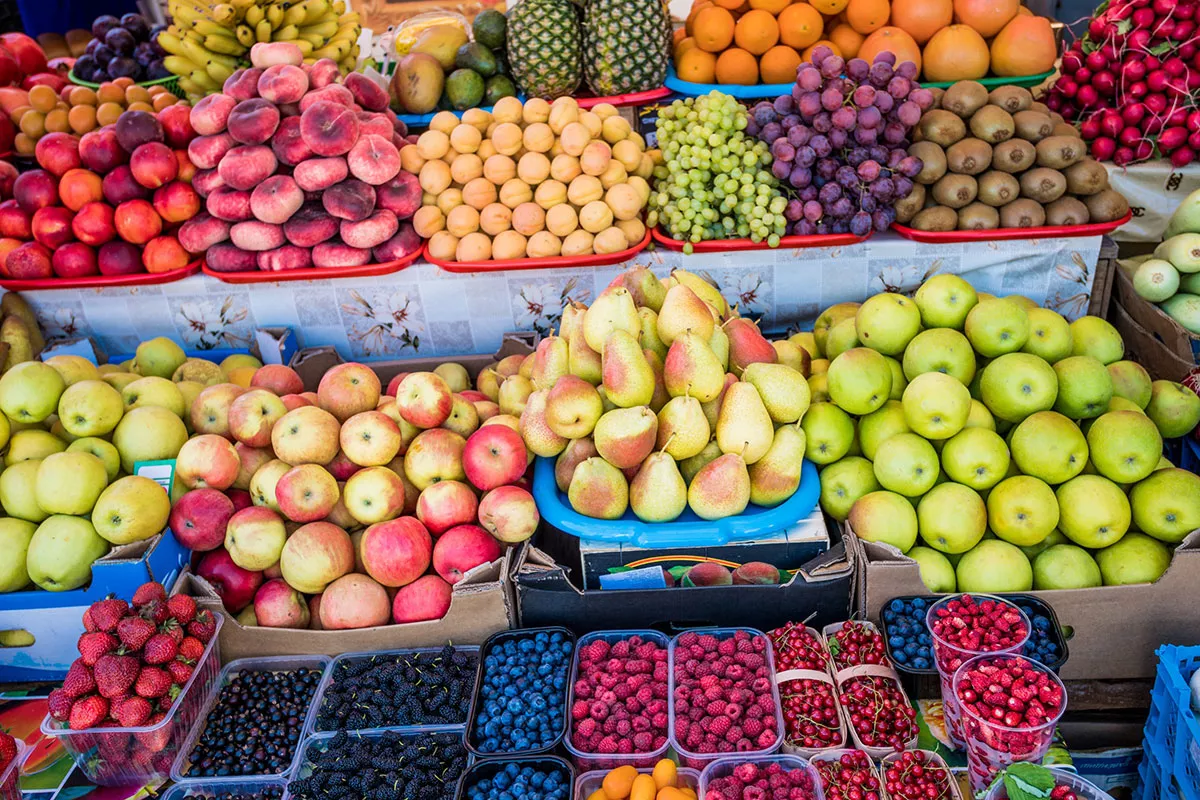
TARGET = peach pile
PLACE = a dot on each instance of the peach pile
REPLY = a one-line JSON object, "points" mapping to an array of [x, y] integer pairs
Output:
{"points": [[109, 202], [299, 168]]}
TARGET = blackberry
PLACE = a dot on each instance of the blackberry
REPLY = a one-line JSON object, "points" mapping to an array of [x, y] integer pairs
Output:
{"points": [[390, 766], [254, 727], [399, 690], [265, 793], [521, 782]]}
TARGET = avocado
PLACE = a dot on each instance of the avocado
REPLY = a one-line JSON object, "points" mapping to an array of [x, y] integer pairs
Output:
{"points": [[489, 28], [477, 57], [464, 88], [498, 86]]}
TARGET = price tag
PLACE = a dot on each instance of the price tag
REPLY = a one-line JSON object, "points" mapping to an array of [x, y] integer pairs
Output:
{"points": [[161, 472]]}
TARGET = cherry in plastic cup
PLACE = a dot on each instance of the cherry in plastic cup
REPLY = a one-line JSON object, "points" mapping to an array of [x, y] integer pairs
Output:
{"points": [[992, 745], [948, 658]]}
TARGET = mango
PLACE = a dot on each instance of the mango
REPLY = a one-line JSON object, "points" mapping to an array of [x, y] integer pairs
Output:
{"points": [[417, 83]]}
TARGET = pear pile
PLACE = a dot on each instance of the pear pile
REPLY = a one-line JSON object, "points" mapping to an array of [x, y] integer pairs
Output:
{"points": [[659, 397]]}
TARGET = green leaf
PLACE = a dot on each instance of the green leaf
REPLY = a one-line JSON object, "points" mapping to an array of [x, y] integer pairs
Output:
{"points": [[1160, 48], [1025, 781]]}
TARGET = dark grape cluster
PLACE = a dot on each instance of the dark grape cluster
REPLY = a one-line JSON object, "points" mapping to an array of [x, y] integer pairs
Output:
{"points": [[840, 140], [122, 48]]}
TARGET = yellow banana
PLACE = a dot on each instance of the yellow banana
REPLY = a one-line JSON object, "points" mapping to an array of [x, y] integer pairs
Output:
{"points": [[194, 37], [286, 33], [244, 34], [339, 7], [190, 87], [180, 65], [254, 15], [335, 50], [345, 19], [171, 43], [306, 47], [218, 72], [186, 14], [233, 62], [315, 11], [295, 15], [206, 27], [242, 5], [311, 40], [225, 45], [262, 31], [275, 16], [201, 78], [224, 14], [327, 28], [309, 60], [195, 52]]}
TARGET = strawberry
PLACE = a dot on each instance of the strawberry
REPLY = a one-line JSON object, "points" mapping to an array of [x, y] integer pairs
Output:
{"points": [[8, 750], [191, 649], [88, 712], [79, 680], [203, 626], [155, 740], [88, 625], [59, 703], [174, 630], [107, 613], [179, 671], [115, 673], [152, 682], [156, 611], [159, 649], [182, 608], [149, 592], [132, 712], [134, 632], [93, 645]]}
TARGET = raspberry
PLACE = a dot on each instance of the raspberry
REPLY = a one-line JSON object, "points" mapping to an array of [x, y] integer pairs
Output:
{"points": [[596, 650], [643, 742], [598, 711], [608, 746], [709, 681], [585, 728], [752, 727], [720, 726], [579, 710]]}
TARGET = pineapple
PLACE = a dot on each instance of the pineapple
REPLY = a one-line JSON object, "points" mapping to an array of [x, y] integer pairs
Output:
{"points": [[544, 47], [626, 45]]}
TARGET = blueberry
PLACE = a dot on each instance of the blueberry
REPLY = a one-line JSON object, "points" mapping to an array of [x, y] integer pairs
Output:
{"points": [[897, 605], [522, 693]]}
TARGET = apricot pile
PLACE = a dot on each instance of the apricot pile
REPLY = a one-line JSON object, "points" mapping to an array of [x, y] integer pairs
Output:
{"points": [[661, 783]]}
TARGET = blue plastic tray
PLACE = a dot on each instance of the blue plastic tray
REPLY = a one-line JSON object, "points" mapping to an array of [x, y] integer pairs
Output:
{"points": [[687, 531], [757, 92]]}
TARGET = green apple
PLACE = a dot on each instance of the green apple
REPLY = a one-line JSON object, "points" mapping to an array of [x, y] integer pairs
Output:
{"points": [[74, 369], [1094, 511], [100, 449], [994, 566], [148, 433], [1016, 385], [937, 573], [976, 457], [843, 482], [119, 380], [1174, 408], [29, 391], [884, 517], [159, 357], [940, 350], [32, 443], [980, 417], [1049, 446], [1124, 446], [1096, 337], [15, 535], [818, 388], [18, 485], [944, 301], [1022, 510], [1131, 381], [1137, 558], [61, 553], [1056, 537], [842, 337], [69, 483], [826, 320], [131, 510], [881, 425], [1065, 566], [806, 341], [1163, 463], [936, 405], [906, 464], [1024, 302], [951, 518], [996, 327], [154, 392], [1118, 403], [1166, 505], [899, 382], [1049, 335], [860, 380], [887, 322], [90, 408], [829, 433], [1084, 387]]}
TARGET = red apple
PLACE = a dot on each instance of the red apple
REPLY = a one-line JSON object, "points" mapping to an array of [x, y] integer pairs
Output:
{"points": [[277, 605], [354, 601], [198, 519], [509, 513], [234, 585], [446, 504], [428, 597], [396, 552], [461, 549], [494, 456]]}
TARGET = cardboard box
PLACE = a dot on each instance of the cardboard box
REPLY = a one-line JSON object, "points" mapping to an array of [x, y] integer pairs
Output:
{"points": [[1113, 630], [1175, 345], [1147, 349]]}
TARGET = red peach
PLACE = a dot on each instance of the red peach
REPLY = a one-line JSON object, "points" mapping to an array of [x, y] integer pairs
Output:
{"points": [[287, 144], [323, 72], [8, 176], [374, 160], [225, 257], [137, 222], [329, 129], [426, 598], [187, 170], [367, 93], [74, 260], [100, 151], [35, 189], [120, 185], [257, 236], [403, 244], [79, 187], [283, 83], [285, 257], [176, 202], [242, 84], [153, 165], [229, 204], [207, 181], [374, 230], [177, 125], [119, 258], [276, 199], [57, 153], [17, 223], [92, 225], [52, 226], [318, 174], [163, 254], [247, 166], [401, 195], [206, 152], [333, 254], [310, 226], [210, 116], [378, 124], [31, 260], [351, 200], [333, 93], [253, 121], [203, 231]]}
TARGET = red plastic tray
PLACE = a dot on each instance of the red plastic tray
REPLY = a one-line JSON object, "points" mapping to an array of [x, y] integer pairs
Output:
{"points": [[553, 262], [1005, 234], [314, 273], [633, 99], [729, 245], [100, 281]]}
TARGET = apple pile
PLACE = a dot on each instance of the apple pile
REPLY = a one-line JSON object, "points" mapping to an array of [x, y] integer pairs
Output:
{"points": [[1001, 447], [660, 398], [349, 507], [107, 203], [299, 168]]}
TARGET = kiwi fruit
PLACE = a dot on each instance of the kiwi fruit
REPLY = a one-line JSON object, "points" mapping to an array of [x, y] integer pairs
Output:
{"points": [[964, 98], [969, 156], [1011, 98], [1106, 206], [1067, 210], [955, 191], [992, 124], [938, 93], [1015, 155], [910, 205], [978, 217], [1065, 129], [1041, 108], [1086, 177], [1043, 184], [1057, 117], [998, 188], [1022, 213], [1060, 152], [936, 218], [933, 161], [1032, 126], [941, 127]]}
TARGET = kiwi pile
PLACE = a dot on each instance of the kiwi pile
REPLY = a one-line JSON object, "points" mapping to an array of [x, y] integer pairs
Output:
{"points": [[1001, 160]]}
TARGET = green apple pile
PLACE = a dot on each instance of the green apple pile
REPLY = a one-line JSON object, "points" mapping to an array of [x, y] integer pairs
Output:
{"points": [[659, 398], [1001, 447]]}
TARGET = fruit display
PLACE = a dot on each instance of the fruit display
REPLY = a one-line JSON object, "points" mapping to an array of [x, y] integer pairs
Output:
{"points": [[648, 403], [122, 48], [918, 775], [663, 781], [299, 169], [752, 779], [264, 792], [877, 710], [1170, 278], [345, 767], [849, 775], [541, 782], [208, 43], [811, 717], [1000, 160], [640, 664], [535, 180], [1080, 421]]}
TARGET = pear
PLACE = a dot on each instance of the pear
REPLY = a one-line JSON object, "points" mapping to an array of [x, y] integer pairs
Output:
{"points": [[612, 311], [682, 312], [721, 488], [514, 394], [573, 407], [692, 369], [582, 360], [807, 341], [658, 493], [572, 318], [649, 335], [661, 395], [550, 362], [690, 466], [526, 368], [509, 365], [704, 290], [719, 344], [626, 436], [776, 476], [647, 290], [682, 429], [743, 425], [783, 390], [598, 490], [15, 333], [794, 356], [628, 378], [609, 405], [13, 305], [576, 452], [539, 438], [489, 382], [712, 409], [747, 345]]}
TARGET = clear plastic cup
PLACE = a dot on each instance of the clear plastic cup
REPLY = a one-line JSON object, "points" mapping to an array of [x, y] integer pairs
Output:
{"points": [[1086, 790], [948, 658], [991, 745]]}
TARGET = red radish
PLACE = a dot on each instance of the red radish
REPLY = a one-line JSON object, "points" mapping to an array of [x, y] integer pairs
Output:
{"points": [[1103, 148], [1083, 75], [1139, 39], [1143, 151], [1132, 114], [1156, 103], [1129, 136], [1152, 62], [1193, 121], [1122, 156], [1087, 96], [1172, 138], [1137, 90], [1182, 157], [1133, 71], [1111, 123], [1090, 127], [1067, 87], [1193, 140], [1104, 83], [1157, 80], [1095, 61], [1177, 117], [1164, 8], [1071, 61], [1054, 101]]}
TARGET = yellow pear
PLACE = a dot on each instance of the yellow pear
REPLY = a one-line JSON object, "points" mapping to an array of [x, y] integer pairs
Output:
{"points": [[743, 426]]}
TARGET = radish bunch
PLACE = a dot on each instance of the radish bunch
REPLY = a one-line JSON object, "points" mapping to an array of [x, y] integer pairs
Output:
{"points": [[1128, 83]]}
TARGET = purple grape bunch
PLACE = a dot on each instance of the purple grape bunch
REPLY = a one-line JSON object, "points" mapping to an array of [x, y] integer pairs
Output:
{"points": [[840, 141]]}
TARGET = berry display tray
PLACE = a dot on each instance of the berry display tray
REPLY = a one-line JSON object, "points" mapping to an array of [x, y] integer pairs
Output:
{"points": [[596, 761], [998, 234], [314, 273], [481, 770], [182, 763], [732, 245], [724, 767], [827, 678], [589, 783], [135, 756], [100, 281], [330, 674], [219, 791]]}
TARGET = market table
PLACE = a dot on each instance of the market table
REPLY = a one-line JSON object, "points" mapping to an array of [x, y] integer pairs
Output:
{"points": [[426, 311]]}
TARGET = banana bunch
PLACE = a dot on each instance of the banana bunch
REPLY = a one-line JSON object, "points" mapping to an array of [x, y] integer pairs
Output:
{"points": [[208, 43]]}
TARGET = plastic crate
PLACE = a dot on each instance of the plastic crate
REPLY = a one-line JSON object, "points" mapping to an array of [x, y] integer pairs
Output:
{"points": [[1180, 728], [723, 767], [589, 782], [218, 790], [481, 770], [1149, 778]]}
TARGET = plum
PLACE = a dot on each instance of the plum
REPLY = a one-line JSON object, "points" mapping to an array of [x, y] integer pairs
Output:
{"points": [[136, 25], [103, 24], [120, 40], [135, 128], [122, 67]]}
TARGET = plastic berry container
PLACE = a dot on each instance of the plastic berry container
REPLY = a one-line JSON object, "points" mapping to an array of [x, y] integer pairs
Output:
{"points": [[136, 756], [481, 770], [316, 744], [220, 791], [179, 770], [827, 756], [699, 761], [327, 680], [782, 679], [10, 778], [595, 761], [723, 767], [1086, 790], [938, 761], [589, 783]]}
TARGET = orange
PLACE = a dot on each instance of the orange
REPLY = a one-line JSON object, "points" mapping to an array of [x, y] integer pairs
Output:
{"points": [[987, 17], [688, 43], [737, 66], [756, 32], [893, 40], [955, 53], [847, 40], [713, 29], [1025, 46], [800, 25], [773, 6], [1024, 10], [729, 4], [808, 51], [696, 66], [677, 36], [921, 19], [830, 6], [778, 65], [867, 16], [696, 9]]}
